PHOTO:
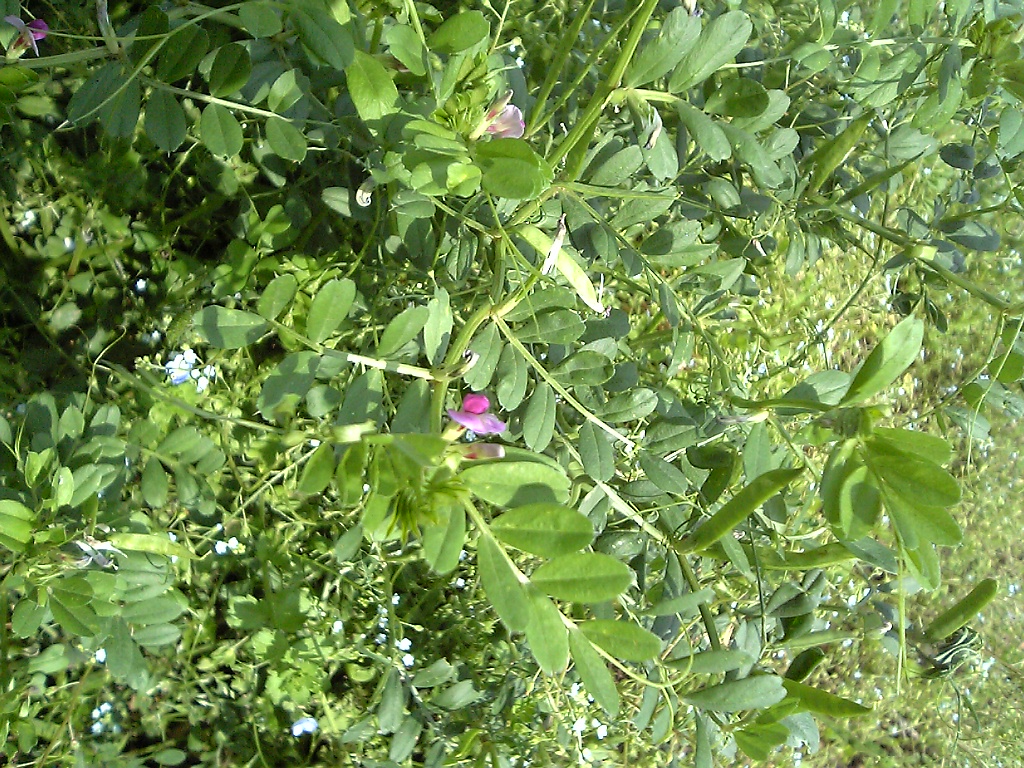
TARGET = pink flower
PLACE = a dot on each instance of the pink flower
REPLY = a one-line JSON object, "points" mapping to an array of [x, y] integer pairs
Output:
{"points": [[474, 416], [507, 124], [28, 34]]}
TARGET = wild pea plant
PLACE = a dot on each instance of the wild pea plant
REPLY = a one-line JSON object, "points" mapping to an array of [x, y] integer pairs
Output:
{"points": [[406, 383]]}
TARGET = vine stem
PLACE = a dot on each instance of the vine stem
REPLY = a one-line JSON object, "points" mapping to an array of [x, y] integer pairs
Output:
{"points": [[562, 391]]}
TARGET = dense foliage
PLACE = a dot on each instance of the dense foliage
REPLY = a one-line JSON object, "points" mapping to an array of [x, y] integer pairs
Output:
{"points": [[437, 384]]}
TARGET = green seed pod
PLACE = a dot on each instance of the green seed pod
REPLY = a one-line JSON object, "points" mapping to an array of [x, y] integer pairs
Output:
{"points": [[963, 611]]}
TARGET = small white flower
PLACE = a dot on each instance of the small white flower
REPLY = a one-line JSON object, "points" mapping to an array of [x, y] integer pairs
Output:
{"points": [[304, 725], [27, 219], [380, 639], [140, 285], [69, 243], [101, 656], [337, 627], [97, 728], [602, 731], [404, 644], [408, 660], [460, 583], [580, 725], [396, 599], [314, 443]]}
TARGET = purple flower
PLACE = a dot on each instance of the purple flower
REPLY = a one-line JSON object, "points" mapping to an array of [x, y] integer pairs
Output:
{"points": [[507, 124], [28, 34], [474, 416]]}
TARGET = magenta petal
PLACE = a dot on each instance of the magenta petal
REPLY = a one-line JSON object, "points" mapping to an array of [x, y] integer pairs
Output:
{"points": [[480, 451], [480, 423], [509, 124], [39, 28], [475, 403]]}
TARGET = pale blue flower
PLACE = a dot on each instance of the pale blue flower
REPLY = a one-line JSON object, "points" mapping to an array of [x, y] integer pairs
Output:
{"points": [[304, 725]]}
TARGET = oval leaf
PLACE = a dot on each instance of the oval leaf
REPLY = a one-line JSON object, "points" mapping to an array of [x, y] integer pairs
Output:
{"points": [[758, 692], [622, 639], [584, 577], [229, 328], [548, 530], [887, 361]]}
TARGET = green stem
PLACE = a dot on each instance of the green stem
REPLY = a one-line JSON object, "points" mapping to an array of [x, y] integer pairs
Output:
{"points": [[584, 127], [565, 47], [542, 372], [705, 612]]}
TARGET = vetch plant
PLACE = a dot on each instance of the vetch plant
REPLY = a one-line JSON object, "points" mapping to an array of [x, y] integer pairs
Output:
{"points": [[705, 286]]}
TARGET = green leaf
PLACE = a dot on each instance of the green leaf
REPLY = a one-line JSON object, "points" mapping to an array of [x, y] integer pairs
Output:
{"points": [[165, 120], [154, 485], [220, 131], [182, 53], [457, 696], [663, 474], [120, 114], [438, 329], [406, 46], [289, 382], [629, 406], [738, 97], [159, 610], [319, 470], [917, 480], [277, 296], [516, 483], [402, 329], [391, 710], [512, 169], [622, 639], [502, 585], [259, 19], [553, 326], [93, 95], [325, 37], [596, 452], [539, 419], [887, 361], [738, 509], [371, 87], [546, 634], [583, 577], [15, 524], [585, 368], [329, 309], [459, 33], [285, 140], [594, 673], [684, 605], [758, 692], [443, 542], [712, 662], [124, 659], [547, 530], [659, 56], [822, 702], [719, 42], [918, 523], [230, 70], [229, 328], [149, 543]]}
